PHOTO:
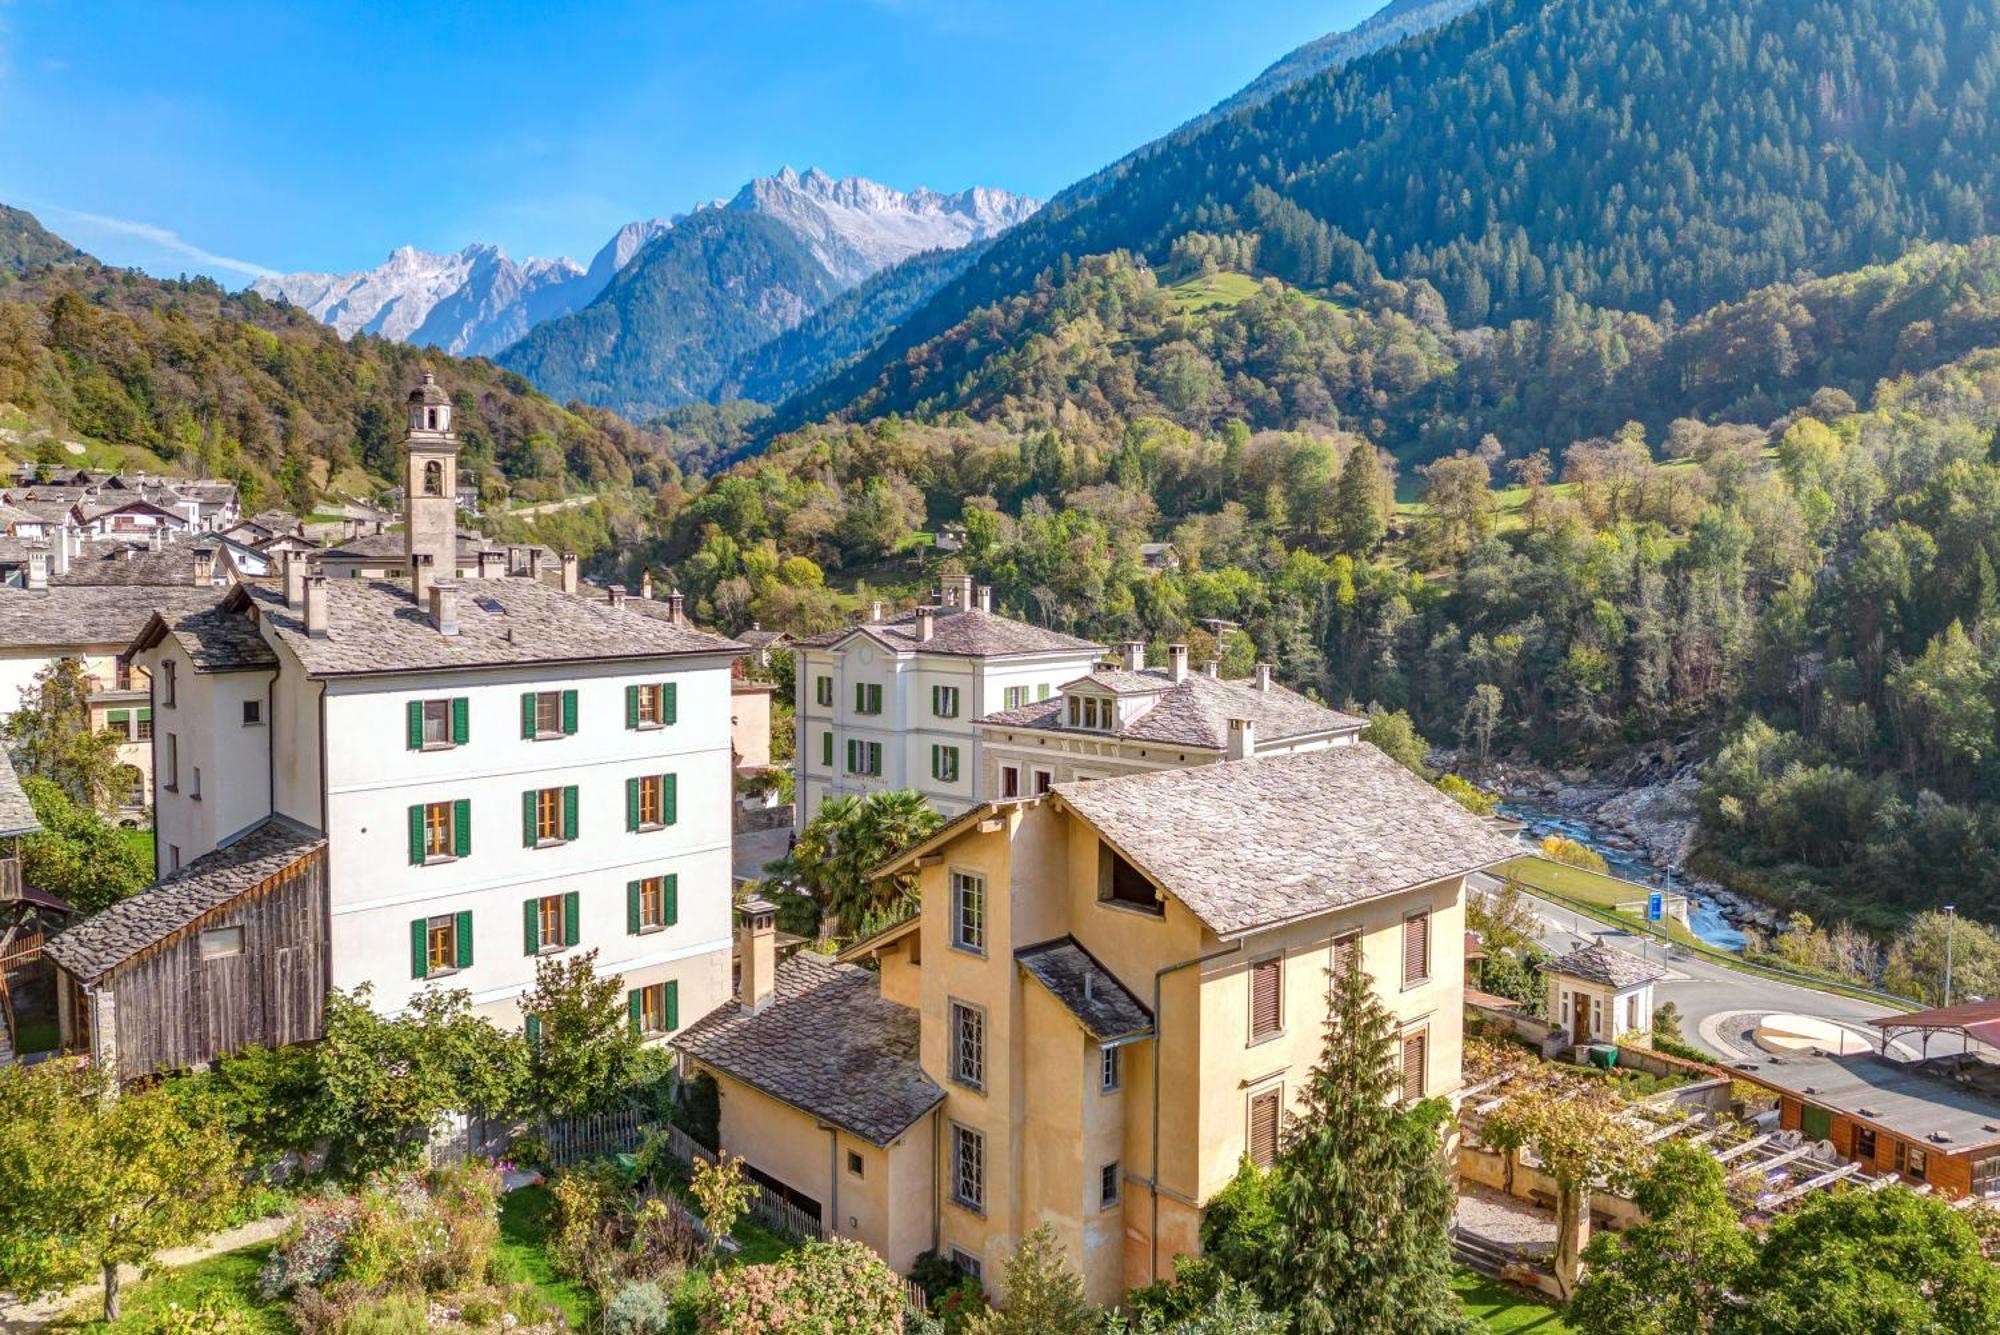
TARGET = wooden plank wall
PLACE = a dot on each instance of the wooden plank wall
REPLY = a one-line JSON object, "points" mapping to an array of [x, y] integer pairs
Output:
{"points": [[175, 1009]]}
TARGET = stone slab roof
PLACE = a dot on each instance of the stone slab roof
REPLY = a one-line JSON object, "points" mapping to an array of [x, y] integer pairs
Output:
{"points": [[1193, 712], [1091, 992], [1602, 965], [392, 547], [376, 626], [960, 633], [1253, 843], [828, 1044], [214, 639], [97, 945], [108, 561], [73, 616], [17, 814]]}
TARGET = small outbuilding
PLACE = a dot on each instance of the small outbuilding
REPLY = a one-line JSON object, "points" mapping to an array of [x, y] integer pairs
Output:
{"points": [[1599, 994]]}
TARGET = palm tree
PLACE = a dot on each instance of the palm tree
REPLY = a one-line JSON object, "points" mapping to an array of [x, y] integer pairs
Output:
{"points": [[848, 838]]}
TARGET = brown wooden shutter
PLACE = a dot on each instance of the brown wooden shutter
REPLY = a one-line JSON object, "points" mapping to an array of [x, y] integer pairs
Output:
{"points": [[1346, 954], [1264, 1128], [1264, 1011], [1414, 1053], [1416, 948]]}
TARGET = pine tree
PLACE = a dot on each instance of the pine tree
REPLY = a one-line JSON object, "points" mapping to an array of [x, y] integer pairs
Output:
{"points": [[1362, 1199], [1358, 502]]}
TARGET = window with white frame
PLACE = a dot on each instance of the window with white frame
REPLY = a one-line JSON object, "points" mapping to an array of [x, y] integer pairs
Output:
{"points": [[1108, 1073], [1108, 1179], [968, 1045], [968, 912], [968, 1167], [944, 701]]}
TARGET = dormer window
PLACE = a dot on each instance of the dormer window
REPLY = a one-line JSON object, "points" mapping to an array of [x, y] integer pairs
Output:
{"points": [[1121, 883], [1087, 711]]}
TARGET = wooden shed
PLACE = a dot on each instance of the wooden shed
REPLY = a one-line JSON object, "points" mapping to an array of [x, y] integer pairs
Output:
{"points": [[229, 952]]}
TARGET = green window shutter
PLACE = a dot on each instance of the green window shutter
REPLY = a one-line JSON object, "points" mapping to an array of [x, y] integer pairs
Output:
{"points": [[826, 749], [631, 707], [146, 715], [413, 715], [634, 1008], [419, 952], [936, 752], [937, 700], [461, 720], [527, 716], [874, 757], [631, 804], [531, 926], [669, 803], [631, 908], [569, 812], [417, 838], [528, 819], [670, 705], [572, 902], [534, 1028], [461, 827], [860, 698], [673, 1004], [851, 753], [464, 935], [569, 713], [671, 899]]}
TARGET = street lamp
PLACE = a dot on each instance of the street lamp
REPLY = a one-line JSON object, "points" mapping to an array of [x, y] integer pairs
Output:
{"points": [[1950, 921]]}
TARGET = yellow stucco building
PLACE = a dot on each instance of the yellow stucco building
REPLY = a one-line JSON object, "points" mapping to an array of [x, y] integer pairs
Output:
{"points": [[1113, 992]]}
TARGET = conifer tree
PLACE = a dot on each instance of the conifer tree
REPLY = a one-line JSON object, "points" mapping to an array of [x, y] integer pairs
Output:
{"points": [[1362, 1200], [1359, 505]]}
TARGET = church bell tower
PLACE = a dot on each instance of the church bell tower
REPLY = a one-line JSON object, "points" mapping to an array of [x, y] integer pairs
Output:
{"points": [[430, 489]]}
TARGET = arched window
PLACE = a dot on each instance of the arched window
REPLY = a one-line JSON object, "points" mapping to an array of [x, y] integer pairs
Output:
{"points": [[431, 419], [433, 478]]}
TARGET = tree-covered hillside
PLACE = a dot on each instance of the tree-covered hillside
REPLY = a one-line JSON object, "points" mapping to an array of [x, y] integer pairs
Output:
{"points": [[1627, 154], [26, 244], [238, 387]]}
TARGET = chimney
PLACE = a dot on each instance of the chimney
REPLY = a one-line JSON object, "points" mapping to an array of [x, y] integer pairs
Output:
{"points": [[677, 608], [756, 952], [422, 573], [156, 540], [615, 595], [517, 560], [204, 566], [444, 606], [1177, 662], [875, 610], [958, 591], [38, 568], [986, 597], [68, 543], [1133, 652], [1263, 676], [1213, 667], [569, 572], [926, 624], [492, 564], [316, 606], [646, 584], [295, 580], [534, 563], [1242, 739]]}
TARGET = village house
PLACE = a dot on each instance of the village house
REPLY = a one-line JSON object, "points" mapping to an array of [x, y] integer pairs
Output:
{"points": [[412, 786], [1601, 995], [1113, 991], [893, 701], [1127, 718]]}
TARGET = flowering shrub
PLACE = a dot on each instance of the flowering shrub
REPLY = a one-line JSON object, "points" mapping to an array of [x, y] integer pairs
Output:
{"points": [[309, 1253], [432, 1232], [820, 1289]]}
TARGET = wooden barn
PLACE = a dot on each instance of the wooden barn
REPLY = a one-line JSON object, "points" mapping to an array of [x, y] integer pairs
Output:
{"points": [[228, 952]]}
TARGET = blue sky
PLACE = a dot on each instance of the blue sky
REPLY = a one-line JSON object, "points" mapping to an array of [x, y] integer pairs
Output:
{"points": [[231, 138]]}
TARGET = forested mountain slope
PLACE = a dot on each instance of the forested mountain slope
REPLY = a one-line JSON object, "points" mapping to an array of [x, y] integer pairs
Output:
{"points": [[26, 244], [1627, 154], [266, 395]]}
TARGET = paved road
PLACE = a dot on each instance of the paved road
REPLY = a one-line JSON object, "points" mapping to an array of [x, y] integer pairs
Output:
{"points": [[1718, 1005]]}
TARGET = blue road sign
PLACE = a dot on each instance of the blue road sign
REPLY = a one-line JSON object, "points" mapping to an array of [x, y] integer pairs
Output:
{"points": [[1656, 906]]}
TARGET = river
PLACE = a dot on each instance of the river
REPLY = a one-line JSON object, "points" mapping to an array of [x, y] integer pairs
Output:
{"points": [[1704, 915]]}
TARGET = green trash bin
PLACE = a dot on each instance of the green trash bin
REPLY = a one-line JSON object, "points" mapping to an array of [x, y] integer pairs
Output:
{"points": [[1601, 1055]]}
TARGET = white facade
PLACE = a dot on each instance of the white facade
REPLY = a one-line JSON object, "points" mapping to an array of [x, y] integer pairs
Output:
{"points": [[1596, 1012]]}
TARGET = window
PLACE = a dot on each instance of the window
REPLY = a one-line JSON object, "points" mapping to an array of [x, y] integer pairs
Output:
{"points": [[652, 705], [1107, 1070], [173, 857], [1416, 1066], [1010, 781], [550, 922], [145, 726], [1346, 954], [171, 682], [1042, 691], [1916, 1160], [967, 1264], [173, 783], [1864, 1143], [655, 1010], [1417, 948], [548, 816], [968, 912], [1015, 696], [439, 831], [121, 673], [944, 701], [864, 757], [1986, 1176], [650, 802], [944, 764], [867, 697], [1266, 998], [1087, 711], [968, 1167], [1108, 1179], [823, 692], [119, 721], [546, 714], [855, 1165], [440, 944], [968, 1045], [826, 750], [1631, 1014], [652, 904], [221, 942], [434, 724], [1263, 1130], [1119, 882], [1044, 780], [253, 713], [194, 790]]}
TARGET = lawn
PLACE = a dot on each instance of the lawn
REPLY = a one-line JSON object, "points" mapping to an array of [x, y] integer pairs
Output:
{"points": [[1504, 1309], [519, 1256], [1221, 289], [141, 841], [229, 1281]]}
